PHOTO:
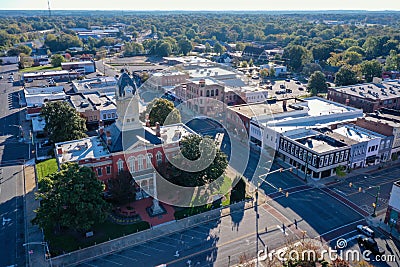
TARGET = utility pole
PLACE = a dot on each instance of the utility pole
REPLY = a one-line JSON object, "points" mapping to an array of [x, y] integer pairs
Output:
{"points": [[48, 6]]}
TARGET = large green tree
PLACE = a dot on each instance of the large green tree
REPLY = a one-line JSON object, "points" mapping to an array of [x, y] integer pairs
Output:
{"points": [[219, 48], [317, 83], [122, 188], [162, 111], [194, 147], [63, 122], [56, 60], [71, 198], [371, 69], [21, 49], [392, 61], [185, 46], [295, 56], [346, 76]]}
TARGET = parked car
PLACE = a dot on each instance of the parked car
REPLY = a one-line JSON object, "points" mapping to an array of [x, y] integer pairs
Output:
{"points": [[298, 82], [282, 86], [370, 244], [288, 90], [301, 88], [1, 77], [287, 80], [365, 230]]}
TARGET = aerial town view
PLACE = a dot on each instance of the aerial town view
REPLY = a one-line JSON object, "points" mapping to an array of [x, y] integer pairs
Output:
{"points": [[199, 133]]}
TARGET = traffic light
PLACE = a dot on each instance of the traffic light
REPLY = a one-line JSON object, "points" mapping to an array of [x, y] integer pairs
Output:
{"points": [[280, 189], [350, 184], [374, 205], [360, 189]]}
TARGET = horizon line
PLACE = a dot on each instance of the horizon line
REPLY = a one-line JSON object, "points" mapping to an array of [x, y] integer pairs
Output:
{"points": [[210, 10]]}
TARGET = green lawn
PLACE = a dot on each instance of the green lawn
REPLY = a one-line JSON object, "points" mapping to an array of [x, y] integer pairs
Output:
{"points": [[45, 168], [40, 68], [68, 241]]}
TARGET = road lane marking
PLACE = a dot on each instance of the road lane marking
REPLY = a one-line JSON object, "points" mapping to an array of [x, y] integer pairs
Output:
{"points": [[343, 235], [330, 231], [280, 228], [164, 243]]}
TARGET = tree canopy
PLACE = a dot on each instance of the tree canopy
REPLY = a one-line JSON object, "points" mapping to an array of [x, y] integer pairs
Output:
{"points": [[190, 148], [56, 60], [63, 122], [162, 111], [71, 198], [346, 76], [317, 83]]}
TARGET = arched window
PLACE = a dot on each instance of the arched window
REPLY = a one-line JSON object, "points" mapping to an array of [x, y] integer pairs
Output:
{"points": [[131, 164], [120, 164], [208, 93], [212, 92], [216, 92], [148, 160], [140, 162], [159, 158]]}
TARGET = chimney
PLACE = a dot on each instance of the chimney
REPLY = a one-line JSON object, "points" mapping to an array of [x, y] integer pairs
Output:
{"points": [[101, 127], [284, 102], [158, 131], [108, 134]]}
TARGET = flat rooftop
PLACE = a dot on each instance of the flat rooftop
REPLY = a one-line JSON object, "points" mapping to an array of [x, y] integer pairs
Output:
{"points": [[206, 71], [208, 81], [259, 109], [87, 148], [357, 133], [320, 106], [373, 91], [174, 132], [388, 119], [325, 142], [99, 84], [48, 73]]}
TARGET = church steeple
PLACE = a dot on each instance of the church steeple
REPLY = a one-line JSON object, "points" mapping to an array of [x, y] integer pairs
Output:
{"points": [[127, 100]]}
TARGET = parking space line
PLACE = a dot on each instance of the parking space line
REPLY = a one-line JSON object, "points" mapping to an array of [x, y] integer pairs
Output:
{"points": [[152, 248], [125, 257], [135, 251], [117, 263], [175, 239], [163, 243], [343, 235], [88, 264], [198, 231], [193, 237]]}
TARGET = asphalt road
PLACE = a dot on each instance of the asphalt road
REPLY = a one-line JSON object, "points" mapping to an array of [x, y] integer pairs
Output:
{"points": [[12, 153], [368, 184]]}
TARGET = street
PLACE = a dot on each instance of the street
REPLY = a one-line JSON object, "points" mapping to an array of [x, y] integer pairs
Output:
{"points": [[12, 155]]}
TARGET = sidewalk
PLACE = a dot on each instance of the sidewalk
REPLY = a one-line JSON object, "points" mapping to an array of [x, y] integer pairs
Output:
{"points": [[379, 223], [35, 252]]}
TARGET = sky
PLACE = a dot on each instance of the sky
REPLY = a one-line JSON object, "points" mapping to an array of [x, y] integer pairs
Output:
{"points": [[258, 5]]}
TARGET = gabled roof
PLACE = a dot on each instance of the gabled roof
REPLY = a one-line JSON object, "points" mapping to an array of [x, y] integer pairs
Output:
{"points": [[123, 140], [256, 51]]}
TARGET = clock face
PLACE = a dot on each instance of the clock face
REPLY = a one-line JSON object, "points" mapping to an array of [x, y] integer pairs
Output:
{"points": [[128, 89]]}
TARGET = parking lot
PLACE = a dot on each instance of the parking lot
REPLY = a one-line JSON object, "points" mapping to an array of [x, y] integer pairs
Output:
{"points": [[291, 87]]}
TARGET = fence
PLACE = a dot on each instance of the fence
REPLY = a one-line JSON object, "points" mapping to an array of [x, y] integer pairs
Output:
{"points": [[118, 244]]}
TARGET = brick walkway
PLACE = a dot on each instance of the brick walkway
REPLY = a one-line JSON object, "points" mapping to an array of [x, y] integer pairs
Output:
{"points": [[140, 207]]}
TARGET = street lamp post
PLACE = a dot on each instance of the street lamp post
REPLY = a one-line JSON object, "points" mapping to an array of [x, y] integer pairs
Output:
{"points": [[46, 249], [376, 200]]}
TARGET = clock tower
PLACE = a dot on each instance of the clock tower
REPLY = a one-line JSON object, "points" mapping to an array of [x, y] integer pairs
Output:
{"points": [[127, 100]]}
